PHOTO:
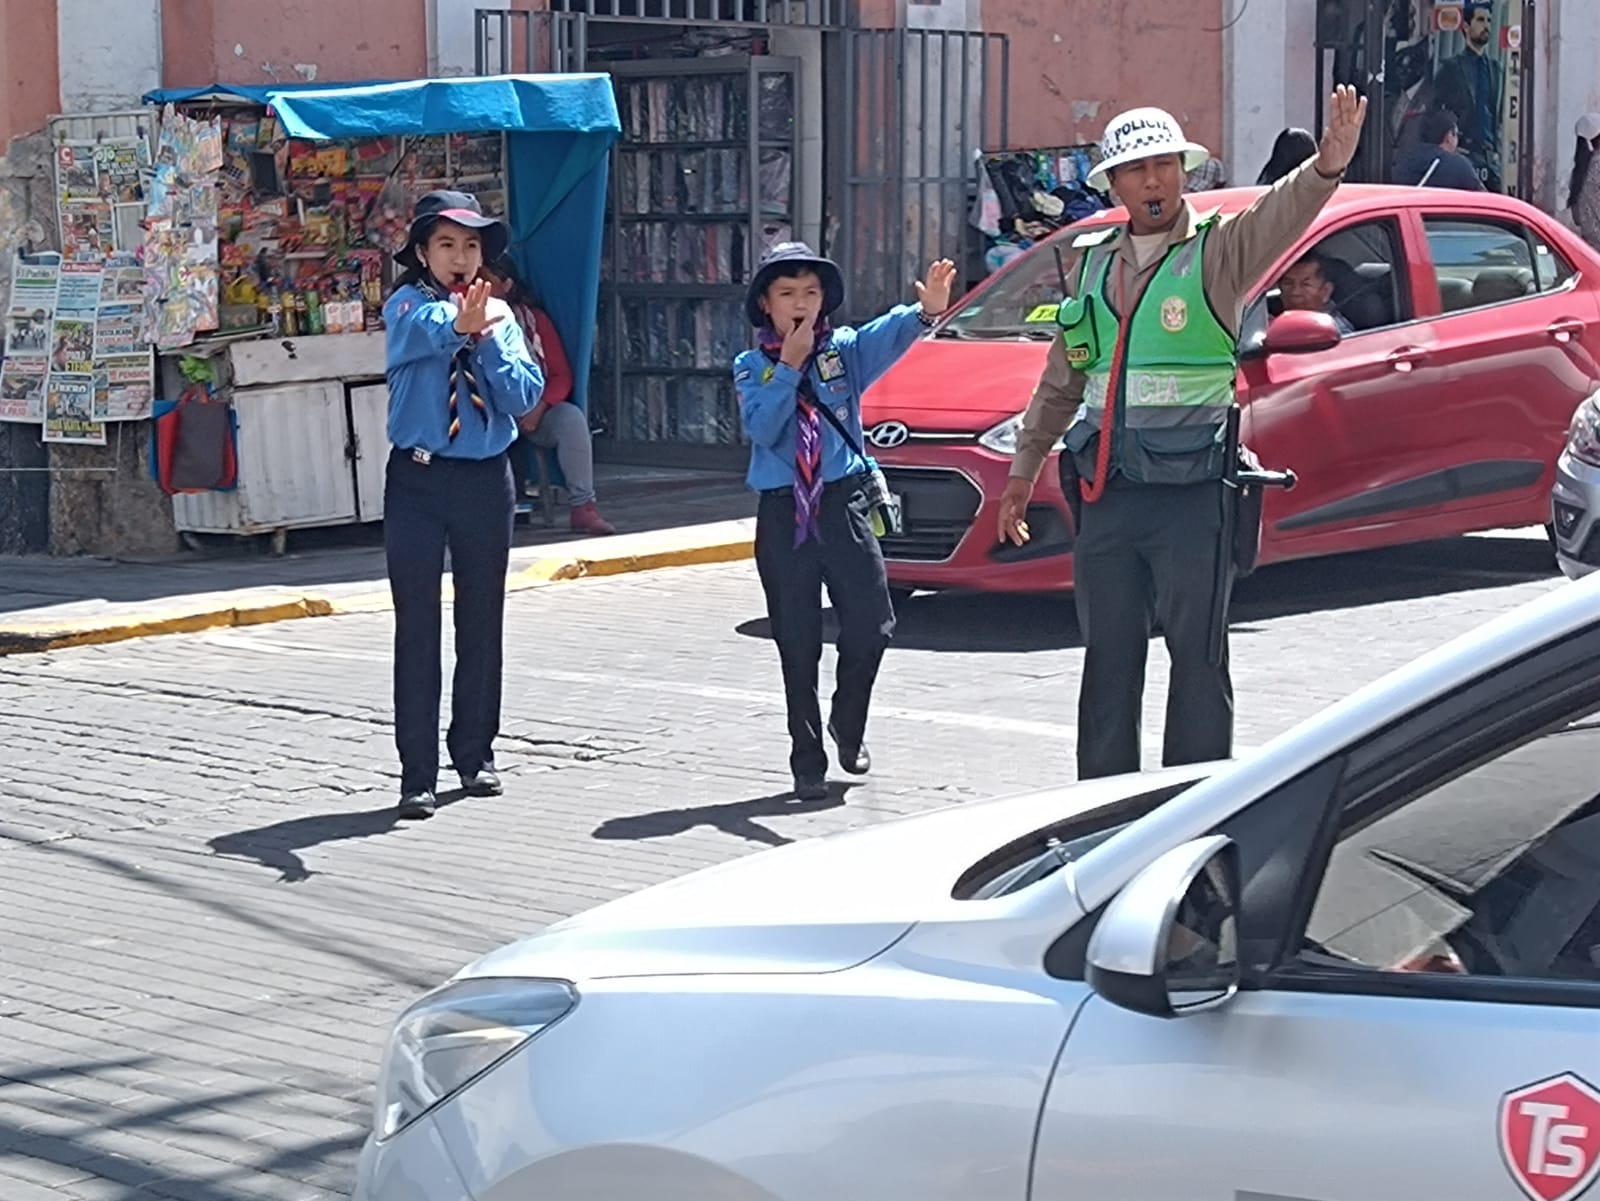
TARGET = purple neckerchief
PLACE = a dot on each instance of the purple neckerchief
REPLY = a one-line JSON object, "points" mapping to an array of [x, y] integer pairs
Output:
{"points": [[807, 436]]}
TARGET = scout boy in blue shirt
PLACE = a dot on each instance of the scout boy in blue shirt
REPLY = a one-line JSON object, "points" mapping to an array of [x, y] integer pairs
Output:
{"points": [[820, 497]]}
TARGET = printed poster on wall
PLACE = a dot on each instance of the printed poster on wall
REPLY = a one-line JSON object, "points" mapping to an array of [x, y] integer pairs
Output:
{"points": [[100, 196], [69, 410], [29, 327]]}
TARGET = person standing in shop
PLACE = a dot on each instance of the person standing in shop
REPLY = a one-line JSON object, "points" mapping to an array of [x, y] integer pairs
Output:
{"points": [[800, 400], [1140, 384], [460, 377]]}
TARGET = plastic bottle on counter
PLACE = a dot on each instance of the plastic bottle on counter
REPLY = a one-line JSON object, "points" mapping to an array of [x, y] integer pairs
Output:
{"points": [[333, 313], [275, 311], [302, 312], [291, 319], [314, 312]]}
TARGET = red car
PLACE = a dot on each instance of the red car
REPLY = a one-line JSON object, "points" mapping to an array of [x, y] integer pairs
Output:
{"points": [[1476, 327]]}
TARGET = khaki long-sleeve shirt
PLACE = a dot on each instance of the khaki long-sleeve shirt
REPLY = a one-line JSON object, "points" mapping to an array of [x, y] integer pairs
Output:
{"points": [[1239, 252]]}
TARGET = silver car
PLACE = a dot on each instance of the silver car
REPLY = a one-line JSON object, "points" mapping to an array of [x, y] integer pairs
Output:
{"points": [[1575, 499], [1360, 964]]}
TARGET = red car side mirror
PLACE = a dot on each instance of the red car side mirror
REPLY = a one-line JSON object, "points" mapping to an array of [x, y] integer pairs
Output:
{"points": [[1301, 331]]}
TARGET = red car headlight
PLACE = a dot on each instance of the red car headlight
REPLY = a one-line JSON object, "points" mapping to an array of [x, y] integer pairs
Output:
{"points": [[1583, 435]]}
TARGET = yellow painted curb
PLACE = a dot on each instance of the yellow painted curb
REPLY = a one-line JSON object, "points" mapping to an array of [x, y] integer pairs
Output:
{"points": [[60, 635]]}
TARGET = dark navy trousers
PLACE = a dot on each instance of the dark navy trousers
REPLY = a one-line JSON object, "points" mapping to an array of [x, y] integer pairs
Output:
{"points": [[467, 506], [849, 564]]}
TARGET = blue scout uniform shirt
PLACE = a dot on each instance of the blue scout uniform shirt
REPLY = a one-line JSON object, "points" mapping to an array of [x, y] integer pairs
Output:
{"points": [[422, 339], [853, 361]]}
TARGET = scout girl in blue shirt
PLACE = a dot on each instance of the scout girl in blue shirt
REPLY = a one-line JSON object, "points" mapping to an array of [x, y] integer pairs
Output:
{"points": [[459, 377], [800, 399]]}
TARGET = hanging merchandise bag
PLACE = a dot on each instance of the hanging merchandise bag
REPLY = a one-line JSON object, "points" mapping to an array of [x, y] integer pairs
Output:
{"points": [[196, 444]]}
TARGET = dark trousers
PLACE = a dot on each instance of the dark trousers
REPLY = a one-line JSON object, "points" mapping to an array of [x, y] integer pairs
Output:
{"points": [[1151, 553], [468, 506], [849, 562]]}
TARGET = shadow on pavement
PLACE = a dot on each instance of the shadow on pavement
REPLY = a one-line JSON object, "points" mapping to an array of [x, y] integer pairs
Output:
{"points": [[1013, 623], [276, 846], [288, 1165], [736, 818]]}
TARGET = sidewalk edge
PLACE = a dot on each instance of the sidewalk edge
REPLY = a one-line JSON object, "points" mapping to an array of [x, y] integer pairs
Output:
{"points": [[33, 639]]}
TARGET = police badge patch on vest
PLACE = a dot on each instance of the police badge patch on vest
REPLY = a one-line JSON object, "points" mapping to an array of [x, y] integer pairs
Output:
{"points": [[1174, 315], [830, 366]]}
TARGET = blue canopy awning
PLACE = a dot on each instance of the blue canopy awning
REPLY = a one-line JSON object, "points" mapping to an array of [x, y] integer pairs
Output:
{"points": [[560, 129]]}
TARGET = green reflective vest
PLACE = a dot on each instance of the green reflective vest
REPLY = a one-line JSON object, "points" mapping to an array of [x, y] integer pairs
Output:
{"points": [[1177, 385]]}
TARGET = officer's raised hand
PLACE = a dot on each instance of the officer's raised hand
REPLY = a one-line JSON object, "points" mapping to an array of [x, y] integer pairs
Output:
{"points": [[1339, 140]]}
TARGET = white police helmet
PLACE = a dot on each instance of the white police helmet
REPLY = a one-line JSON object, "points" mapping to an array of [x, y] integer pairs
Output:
{"points": [[1143, 133]]}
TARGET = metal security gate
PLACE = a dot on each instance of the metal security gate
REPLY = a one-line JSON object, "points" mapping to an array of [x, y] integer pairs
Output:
{"points": [[519, 42], [513, 41], [920, 105]]}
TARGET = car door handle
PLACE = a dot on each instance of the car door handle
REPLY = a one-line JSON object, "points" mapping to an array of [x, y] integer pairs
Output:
{"points": [[1566, 329], [1406, 357]]}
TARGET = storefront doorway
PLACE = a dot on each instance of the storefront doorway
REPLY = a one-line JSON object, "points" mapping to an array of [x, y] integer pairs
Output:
{"points": [[1410, 56], [749, 122]]}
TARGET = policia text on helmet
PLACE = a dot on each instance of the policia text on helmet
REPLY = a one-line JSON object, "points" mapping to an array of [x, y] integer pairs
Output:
{"points": [[1139, 387]]}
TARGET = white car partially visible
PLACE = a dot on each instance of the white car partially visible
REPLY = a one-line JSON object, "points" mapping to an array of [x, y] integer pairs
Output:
{"points": [[1281, 977]]}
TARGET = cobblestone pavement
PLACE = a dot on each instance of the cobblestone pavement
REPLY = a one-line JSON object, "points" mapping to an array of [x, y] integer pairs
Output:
{"points": [[210, 917]]}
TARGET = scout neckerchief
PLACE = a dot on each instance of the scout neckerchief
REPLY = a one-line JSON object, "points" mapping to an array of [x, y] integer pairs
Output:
{"points": [[461, 377], [807, 435]]}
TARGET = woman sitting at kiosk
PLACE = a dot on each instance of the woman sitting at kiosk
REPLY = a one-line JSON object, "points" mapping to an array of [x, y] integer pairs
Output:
{"points": [[555, 422]]}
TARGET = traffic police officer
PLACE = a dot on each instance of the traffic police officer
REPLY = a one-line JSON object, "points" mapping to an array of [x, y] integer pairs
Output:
{"points": [[459, 378], [1141, 385]]}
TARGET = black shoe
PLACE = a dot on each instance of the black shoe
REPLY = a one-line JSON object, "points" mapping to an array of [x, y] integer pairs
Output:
{"points": [[483, 782], [856, 760], [811, 788], [417, 806]]}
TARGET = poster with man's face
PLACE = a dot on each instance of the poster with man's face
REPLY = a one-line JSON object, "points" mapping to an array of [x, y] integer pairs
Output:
{"points": [[1476, 60]]}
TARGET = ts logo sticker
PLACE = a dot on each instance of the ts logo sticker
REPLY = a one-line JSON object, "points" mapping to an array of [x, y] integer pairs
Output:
{"points": [[1550, 1137]]}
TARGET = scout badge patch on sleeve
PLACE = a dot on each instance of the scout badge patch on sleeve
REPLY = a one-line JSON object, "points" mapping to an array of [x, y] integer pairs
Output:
{"points": [[830, 366], [766, 376], [1174, 314]]}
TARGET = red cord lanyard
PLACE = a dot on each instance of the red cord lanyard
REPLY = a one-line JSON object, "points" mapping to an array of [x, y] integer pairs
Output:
{"points": [[1093, 491]]}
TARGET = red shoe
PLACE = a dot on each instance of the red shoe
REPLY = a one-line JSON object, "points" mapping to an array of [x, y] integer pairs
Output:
{"points": [[586, 519]]}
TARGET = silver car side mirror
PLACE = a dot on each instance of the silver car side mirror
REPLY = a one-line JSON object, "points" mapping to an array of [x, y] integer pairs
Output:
{"points": [[1167, 944]]}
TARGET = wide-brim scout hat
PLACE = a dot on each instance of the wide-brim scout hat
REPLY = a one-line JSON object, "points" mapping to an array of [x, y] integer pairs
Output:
{"points": [[785, 256], [462, 209], [1143, 133]]}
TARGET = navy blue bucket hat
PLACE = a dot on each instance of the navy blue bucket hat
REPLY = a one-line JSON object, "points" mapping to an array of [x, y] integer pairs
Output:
{"points": [[779, 261], [462, 209]]}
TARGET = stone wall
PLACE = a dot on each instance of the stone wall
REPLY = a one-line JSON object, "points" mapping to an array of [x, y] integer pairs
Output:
{"points": [[67, 500], [26, 221]]}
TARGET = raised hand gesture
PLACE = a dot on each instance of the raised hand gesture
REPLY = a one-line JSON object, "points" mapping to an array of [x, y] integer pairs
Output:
{"points": [[934, 295], [473, 317], [1339, 140], [798, 343]]}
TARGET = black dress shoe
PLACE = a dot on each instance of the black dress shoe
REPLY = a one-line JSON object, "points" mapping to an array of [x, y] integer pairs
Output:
{"points": [[810, 788], [483, 782], [856, 760], [416, 806]]}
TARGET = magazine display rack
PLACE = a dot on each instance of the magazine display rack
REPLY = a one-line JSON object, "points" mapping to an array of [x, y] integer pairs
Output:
{"points": [[703, 181]]}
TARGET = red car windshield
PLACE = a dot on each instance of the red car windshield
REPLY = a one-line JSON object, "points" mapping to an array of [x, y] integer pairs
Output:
{"points": [[1019, 304]]}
